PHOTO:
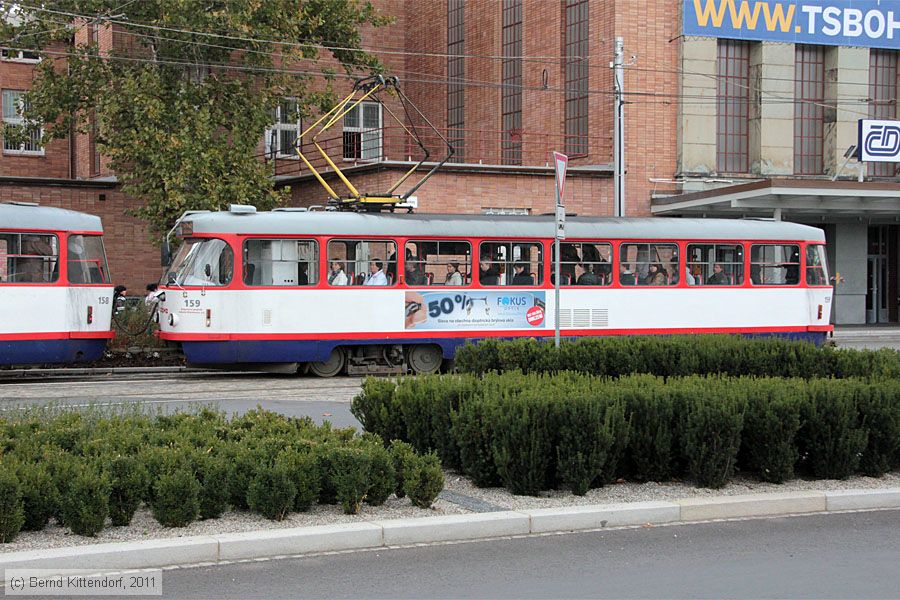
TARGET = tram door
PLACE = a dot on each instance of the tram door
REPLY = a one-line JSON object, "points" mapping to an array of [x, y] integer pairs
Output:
{"points": [[877, 290]]}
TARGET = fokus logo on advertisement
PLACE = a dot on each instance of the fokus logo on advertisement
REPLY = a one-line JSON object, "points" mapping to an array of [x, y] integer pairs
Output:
{"points": [[879, 141], [867, 23]]}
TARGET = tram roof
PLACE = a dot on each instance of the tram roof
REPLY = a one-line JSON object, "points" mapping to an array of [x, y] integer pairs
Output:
{"points": [[46, 218], [445, 225]]}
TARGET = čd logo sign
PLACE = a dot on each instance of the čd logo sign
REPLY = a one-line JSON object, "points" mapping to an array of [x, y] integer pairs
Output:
{"points": [[879, 141]]}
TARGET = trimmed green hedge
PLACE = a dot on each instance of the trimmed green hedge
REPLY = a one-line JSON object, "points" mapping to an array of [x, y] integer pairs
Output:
{"points": [[533, 432], [84, 468], [677, 356]]}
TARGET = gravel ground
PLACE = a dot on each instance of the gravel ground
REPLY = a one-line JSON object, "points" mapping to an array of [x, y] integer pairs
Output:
{"points": [[642, 492], [145, 527]]}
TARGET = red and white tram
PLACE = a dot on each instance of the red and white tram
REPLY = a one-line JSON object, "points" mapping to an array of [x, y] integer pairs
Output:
{"points": [[56, 298], [338, 290]]}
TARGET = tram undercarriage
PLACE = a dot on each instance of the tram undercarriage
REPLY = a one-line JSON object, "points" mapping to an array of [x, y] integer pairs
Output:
{"points": [[369, 359]]}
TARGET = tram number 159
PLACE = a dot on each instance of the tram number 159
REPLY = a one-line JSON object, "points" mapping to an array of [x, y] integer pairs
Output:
{"points": [[192, 304]]}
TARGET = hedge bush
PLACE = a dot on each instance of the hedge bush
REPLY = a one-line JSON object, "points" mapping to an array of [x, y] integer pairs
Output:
{"points": [[674, 356], [533, 432], [85, 504], [424, 481], [12, 508], [83, 468], [176, 498]]}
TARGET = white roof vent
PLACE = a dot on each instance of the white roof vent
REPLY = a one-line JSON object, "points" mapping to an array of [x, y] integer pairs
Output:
{"points": [[242, 209]]}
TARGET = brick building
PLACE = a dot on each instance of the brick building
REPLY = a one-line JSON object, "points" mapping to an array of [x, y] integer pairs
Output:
{"points": [[718, 122]]}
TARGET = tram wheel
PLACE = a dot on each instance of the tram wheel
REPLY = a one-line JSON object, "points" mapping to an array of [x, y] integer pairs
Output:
{"points": [[425, 359], [330, 367]]}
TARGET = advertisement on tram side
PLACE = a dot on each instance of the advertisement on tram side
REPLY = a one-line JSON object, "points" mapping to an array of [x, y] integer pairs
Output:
{"points": [[471, 309]]}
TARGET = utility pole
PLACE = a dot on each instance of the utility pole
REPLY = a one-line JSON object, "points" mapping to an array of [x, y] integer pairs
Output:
{"points": [[618, 65]]}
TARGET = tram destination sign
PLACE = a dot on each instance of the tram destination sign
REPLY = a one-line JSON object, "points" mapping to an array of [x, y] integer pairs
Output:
{"points": [[865, 23], [879, 141]]}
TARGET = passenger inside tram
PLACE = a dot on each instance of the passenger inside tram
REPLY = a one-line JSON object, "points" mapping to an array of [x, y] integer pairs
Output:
{"points": [[588, 277], [337, 275], [376, 275], [454, 277], [488, 272], [719, 276], [521, 276]]}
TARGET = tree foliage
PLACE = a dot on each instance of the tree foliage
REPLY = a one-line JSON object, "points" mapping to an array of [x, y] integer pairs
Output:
{"points": [[181, 101]]}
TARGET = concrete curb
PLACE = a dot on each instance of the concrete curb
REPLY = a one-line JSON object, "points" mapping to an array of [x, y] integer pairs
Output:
{"points": [[379, 534]]}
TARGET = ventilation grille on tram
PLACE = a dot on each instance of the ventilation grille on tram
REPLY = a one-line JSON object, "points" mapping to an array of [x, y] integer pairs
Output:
{"points": [[583, 317]]}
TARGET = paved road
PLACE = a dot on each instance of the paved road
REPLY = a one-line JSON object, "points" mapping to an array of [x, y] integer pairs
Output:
{"points": [[851, 555], [321, 399]]}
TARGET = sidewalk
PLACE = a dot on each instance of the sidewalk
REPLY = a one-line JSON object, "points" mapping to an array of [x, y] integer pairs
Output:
{"points": [[867, 336]]}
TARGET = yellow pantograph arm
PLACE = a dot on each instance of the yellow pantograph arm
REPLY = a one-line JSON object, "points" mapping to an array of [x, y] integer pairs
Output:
{"points": [[339, 114], [331, 193]]}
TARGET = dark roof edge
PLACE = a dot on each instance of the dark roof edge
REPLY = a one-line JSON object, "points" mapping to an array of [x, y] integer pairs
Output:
{"points": [[57, 182]]}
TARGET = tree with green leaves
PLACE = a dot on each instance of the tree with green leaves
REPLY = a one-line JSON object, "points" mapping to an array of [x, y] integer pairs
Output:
{"points": [[180, 103]]}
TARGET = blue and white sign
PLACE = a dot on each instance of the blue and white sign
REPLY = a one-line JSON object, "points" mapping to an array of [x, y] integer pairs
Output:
{"points": [[475, 309], [879, 141], [866, 23]]}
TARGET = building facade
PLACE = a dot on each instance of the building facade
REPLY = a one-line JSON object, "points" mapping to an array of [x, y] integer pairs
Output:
{"points": [[721, 119]]}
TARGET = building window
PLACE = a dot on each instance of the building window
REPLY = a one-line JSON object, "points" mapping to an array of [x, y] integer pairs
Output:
{"points": [[25, 56], [498, 211], [733, 104], [282, 137], [456, 72], [809, 109], [883, 86], [14, 104], [576, 55], [362, 132], [511, 97]]}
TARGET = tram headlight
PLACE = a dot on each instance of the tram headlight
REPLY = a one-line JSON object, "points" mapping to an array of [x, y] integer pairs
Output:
{"points": [[173, 319]]}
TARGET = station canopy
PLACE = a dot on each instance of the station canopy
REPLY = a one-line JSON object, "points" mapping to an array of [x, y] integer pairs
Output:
{"points": [[794, 199]]}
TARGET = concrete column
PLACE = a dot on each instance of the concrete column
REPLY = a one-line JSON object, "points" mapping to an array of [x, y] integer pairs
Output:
{"points": [[771, 116], [846, 78], [851, 261], [697, 114]]}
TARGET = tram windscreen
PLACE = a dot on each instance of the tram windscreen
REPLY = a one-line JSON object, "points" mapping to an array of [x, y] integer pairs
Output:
{"points": [[203, 262], [86, 261]]}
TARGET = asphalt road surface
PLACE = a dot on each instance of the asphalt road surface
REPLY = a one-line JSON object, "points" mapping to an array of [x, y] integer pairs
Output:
{"points": [[321, 399], [849, 555]]}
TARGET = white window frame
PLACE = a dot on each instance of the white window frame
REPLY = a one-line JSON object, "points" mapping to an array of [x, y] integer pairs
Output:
{"points": [[10, 55], [20, 121], [371, 143], [278, 126]]}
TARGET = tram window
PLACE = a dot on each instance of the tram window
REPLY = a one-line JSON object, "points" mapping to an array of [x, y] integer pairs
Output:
{"points": [[437, 263], [775, 264], [648, 264], [207, 262], [511, 263], [29, 258], [86, 262], [715, 264], [281, 262], [585, 264], [816, 267], [363, 262]]}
